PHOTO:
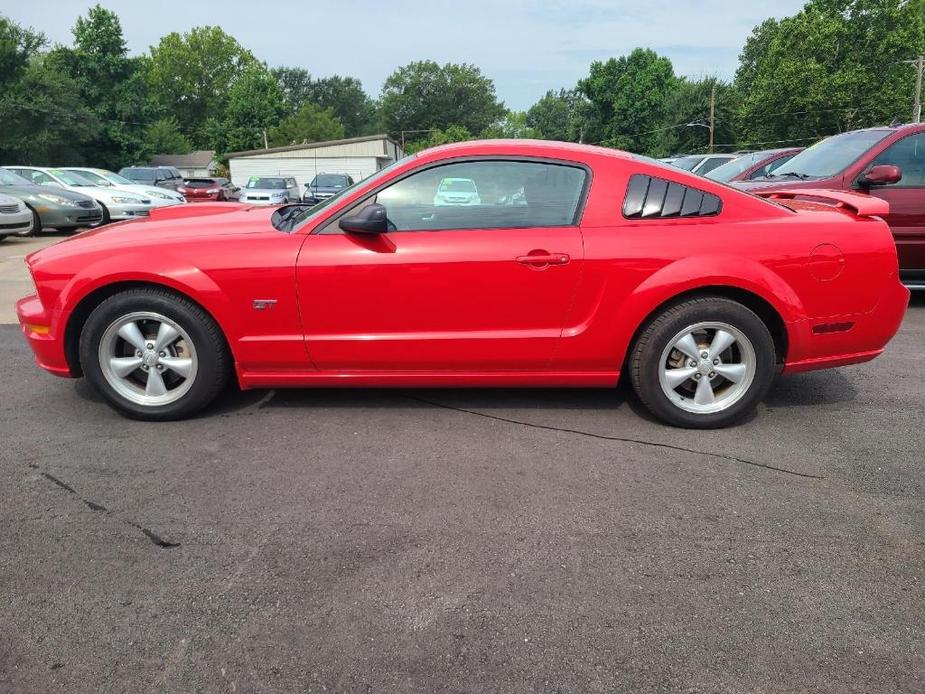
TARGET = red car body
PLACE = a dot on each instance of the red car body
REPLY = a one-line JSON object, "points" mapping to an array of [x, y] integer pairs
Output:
{"points": [[533, 306], [208, 190], [901, 146]]}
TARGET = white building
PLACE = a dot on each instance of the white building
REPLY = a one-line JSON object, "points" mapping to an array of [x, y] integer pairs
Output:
{"points": [[357, 157], [200, 164]]}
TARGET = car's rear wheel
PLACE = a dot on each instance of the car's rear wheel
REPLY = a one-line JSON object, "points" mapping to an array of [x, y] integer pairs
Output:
{"points": [[154, 355], [703, 363]]}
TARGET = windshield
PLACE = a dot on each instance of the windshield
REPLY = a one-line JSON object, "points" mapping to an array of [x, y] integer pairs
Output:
{"points": [[687, 163], [457, 185], [115, 178], [94, 178], [267, 183], [137, 174], [830, 156], [8, 178], [733, 168], [201, 183], [301, 216], [70, 178], [329, 181]]}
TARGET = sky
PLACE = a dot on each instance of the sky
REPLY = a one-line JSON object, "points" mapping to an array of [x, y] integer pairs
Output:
{"points": [[526, 47]]}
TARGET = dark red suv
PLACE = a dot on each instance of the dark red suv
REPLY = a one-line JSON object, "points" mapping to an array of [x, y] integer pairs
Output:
{"points": [[887, 163]]}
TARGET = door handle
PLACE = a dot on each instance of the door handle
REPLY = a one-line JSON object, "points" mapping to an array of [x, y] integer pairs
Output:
{"points": [[542, 259]]}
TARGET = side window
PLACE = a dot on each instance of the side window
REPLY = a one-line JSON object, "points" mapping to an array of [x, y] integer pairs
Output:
{"points": [[909, 155], [485, 195], [39, 178], [648, 197]]}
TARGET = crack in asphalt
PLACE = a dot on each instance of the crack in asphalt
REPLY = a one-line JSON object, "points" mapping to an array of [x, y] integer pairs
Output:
{"points": [[621, 439], [99, 508]]}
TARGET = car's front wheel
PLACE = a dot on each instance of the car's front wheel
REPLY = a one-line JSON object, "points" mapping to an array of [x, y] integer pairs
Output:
{"points": [[35, 228], [154, 355], [703, 363]]}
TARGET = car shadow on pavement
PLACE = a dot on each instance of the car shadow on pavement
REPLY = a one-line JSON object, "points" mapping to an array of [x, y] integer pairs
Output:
{"points": [[812, 389]]}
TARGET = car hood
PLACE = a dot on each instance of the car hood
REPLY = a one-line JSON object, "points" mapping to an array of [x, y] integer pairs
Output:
{"points": [[171, 224], [28, 191]]}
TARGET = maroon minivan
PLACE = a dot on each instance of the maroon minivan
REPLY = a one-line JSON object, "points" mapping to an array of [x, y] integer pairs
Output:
{"points": [[885, 162]]}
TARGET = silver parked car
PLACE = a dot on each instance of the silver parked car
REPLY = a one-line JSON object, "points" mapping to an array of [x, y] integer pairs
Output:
{"points": [[270, 190], [15, 217], [701, 164]]}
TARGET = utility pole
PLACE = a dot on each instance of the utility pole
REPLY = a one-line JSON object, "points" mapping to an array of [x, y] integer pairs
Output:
{"points": [[265, 143], [917, 103], [713, 114]]}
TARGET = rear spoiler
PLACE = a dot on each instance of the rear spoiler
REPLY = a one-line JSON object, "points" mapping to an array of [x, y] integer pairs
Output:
{"points": [[859, 203]]}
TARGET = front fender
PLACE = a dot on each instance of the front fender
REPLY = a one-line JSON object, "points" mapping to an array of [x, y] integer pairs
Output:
{"points": [[168, 272]]}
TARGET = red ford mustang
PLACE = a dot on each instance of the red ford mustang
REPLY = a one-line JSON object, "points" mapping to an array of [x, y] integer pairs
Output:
{"points": [[563, 265]]}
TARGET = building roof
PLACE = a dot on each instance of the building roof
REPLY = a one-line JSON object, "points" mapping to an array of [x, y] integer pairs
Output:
{"points": [[310, 145], [194, 160]]}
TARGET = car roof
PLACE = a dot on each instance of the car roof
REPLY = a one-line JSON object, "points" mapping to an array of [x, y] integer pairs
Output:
{"points": [[513, 147]]}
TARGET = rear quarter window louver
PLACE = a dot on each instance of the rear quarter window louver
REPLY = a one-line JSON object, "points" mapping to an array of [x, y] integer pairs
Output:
{"points": [[648, 197]]}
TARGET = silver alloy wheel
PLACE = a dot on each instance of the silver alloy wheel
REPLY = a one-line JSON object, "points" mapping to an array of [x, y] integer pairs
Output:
{"points": [[148, 359], [707, 367]]}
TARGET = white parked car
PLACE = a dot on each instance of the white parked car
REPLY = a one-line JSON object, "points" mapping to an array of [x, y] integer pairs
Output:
{"points": [[116, 204], [102, 178], [270, 190], [15, 216], [457, 191]]}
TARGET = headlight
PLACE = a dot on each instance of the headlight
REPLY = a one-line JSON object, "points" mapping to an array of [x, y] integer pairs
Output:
{"points": [[159, 194], [58, 200], [119, 200]]}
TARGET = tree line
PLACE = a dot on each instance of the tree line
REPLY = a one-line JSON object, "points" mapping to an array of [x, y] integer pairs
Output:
{"points": [[833, 66]]}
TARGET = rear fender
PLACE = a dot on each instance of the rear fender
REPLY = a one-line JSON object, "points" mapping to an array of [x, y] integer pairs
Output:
{"points": [[704, 273]]}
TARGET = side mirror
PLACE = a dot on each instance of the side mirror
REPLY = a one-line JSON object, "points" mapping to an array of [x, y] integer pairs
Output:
{"points": [[371, 219], [881, 175]]}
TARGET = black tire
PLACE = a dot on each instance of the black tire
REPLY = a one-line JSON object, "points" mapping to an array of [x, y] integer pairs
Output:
{"points": [[107, 218], [36, 225], [2, 236], [645, 361], [214, 363]]}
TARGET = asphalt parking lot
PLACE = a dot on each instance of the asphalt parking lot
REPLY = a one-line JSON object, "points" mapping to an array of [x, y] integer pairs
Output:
{"points": [[484, 540]]}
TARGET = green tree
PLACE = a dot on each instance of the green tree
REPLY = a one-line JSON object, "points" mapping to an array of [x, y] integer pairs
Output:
{"points": [[296, 85], [425, 95], [688, 111], [557, 116], [512, 126], [628, 100], [41, 110], [191, 77], [255, 104], [163, 136], [836, 65], [345, 97], [109, 83], [311, 124], [17, 46], [439, 136]]}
